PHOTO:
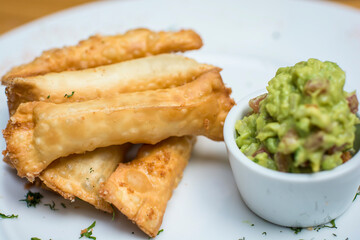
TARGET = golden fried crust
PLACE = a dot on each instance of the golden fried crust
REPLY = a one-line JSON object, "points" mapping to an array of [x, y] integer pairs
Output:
{"points": [[141, 188], [57, 130], [157, 72], [18, 134], [102, 50], [81, 175]]}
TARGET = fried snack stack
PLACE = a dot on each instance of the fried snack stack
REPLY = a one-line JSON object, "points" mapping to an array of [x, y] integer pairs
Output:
{"points": [[76, 111]]}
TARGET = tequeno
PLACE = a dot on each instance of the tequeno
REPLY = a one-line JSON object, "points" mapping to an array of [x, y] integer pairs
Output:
{"points": [[199, 108], [155, 72], [81, 175], [141, 188], [102, 50]]}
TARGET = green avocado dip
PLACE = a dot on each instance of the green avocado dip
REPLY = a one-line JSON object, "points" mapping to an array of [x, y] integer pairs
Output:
{"points": [[305, 123]]}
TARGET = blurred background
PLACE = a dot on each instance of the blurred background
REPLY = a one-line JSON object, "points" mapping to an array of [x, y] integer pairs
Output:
{"points": [[14, 13]]}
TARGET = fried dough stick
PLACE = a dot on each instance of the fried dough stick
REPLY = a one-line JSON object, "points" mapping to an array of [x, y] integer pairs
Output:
{"points": [[39, 132], [81, 175], [102, 50], [141, 188], [154, 72]]}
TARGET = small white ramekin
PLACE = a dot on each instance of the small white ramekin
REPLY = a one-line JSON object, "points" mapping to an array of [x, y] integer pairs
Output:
{"points": [[289, 199]]}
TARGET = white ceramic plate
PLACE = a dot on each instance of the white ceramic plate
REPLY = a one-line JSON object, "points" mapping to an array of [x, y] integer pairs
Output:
{"points": [[249, 40]]}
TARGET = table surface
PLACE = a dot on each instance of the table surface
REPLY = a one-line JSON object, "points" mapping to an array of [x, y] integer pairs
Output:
{"points": [[18, 12]]}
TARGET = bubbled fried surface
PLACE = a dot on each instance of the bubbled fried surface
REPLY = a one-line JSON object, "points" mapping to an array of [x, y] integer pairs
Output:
{"points": [[82, 175], [141, 188]]}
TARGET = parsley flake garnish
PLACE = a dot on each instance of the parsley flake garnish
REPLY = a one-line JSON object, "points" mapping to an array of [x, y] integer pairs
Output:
{"points": [[242, 238], [264, 233], [296, 230], [334, 235], [252, 225], [32, 199], [3, 216], [51, 206], [69, 96], [35, 238], [91, 170], [332, 222], [63, 205], [160, 231], [87, 232], [48, 96], [357, 194], [113, 217]]}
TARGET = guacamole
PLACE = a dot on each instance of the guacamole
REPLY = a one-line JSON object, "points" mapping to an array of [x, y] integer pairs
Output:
{"points": [[305, 123]]}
